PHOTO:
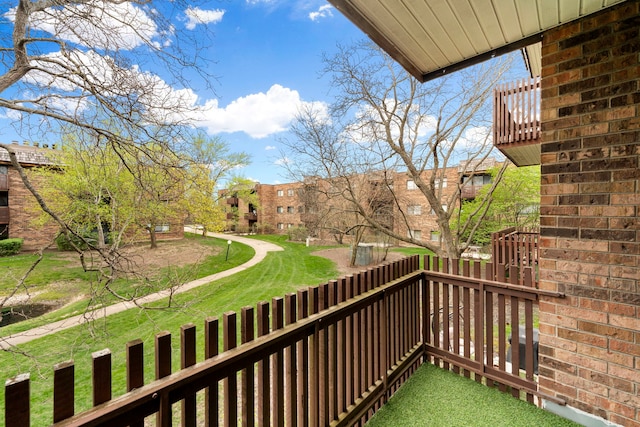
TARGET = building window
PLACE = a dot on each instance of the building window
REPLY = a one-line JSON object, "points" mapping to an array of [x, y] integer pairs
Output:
{"points": [[411, 185], [444, 183], [280, 226], [280, 209], [289, 225], [290, 192], [301, 209], [291, 209], [4, 170], [4, 198], [414, 210], [415, 234], [162, 228], [435, 236], [280, 193], [444, 208]]}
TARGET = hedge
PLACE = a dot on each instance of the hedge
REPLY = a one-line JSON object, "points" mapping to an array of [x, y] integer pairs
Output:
{"points": [[10, 246]]}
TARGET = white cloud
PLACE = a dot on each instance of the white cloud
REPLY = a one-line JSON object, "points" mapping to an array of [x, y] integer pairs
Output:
{"points": [[282, 161], [258, 115], [121, 25], [324, 11], [196, 16], [269, 148]]}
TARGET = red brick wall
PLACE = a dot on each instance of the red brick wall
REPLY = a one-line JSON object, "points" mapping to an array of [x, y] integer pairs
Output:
{"points": [[23, 211], [590, 233]]}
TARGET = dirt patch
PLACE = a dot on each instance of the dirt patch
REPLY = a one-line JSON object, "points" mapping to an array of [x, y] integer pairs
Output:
{"points": [[175, 253], [341, 257]]}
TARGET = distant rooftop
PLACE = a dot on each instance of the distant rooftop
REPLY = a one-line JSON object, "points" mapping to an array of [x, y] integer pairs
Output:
{"points": [[27, 154]]}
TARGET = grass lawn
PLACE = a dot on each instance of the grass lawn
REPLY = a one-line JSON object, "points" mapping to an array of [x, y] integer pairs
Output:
{"points": [[437, 398], [278, 274], [58, 277]]}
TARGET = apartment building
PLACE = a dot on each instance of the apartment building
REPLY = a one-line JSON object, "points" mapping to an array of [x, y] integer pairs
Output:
{"points": [[318, 205], [17, 204], [19, 210]]}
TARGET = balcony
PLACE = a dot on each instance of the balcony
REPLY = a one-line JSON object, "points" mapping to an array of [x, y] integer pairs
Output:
{"points": [[251, 216], [233, 201], [516, 121], [469, 192], [4, 182], [4, 215]]}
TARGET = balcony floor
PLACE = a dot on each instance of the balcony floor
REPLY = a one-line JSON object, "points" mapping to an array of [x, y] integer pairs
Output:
{"points": [[435, 397]]}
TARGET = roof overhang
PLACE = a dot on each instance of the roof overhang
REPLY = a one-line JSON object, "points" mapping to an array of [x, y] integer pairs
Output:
{"points": [[430, 38]]}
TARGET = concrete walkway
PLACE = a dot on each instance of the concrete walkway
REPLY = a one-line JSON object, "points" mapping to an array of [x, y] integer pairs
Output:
{"points": [[261, 248]]}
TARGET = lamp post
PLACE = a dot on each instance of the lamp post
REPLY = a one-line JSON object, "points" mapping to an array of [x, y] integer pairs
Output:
{"points": [[228, 246]]}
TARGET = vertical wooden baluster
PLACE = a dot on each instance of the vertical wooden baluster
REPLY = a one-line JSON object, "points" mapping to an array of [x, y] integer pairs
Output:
{"points": [[264, 370], [211, 393], [290, 366], [135, 370], [188, 358], [163, 369], [247, 377], [16, 401], [314, 378], [101, 376], [230, 382], [277, 367], [303, 363]]}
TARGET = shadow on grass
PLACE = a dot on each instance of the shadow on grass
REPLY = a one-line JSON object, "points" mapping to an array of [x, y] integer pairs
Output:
{"points": [[434, 397]]}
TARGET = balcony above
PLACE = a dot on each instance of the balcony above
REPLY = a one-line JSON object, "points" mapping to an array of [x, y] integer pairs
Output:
{"points": [[516, 121], [4, 182], [233, 201], [4, 215], [250, 216]]}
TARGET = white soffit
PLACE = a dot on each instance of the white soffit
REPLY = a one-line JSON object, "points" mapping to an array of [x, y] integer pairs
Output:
{"points": [[432, 37]]}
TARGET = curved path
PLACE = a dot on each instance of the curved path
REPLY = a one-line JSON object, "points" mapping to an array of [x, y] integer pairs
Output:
{"points": [[261, 248]]}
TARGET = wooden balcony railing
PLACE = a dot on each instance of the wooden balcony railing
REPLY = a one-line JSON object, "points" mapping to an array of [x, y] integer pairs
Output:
{"points": [[4, 214], [517, 112], [515, 250], [4, 182], [233, 201], [251, 216], [327, 355]]}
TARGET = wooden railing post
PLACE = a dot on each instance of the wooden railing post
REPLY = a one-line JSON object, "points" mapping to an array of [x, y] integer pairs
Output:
{"points": [[101, 376], [63, 391], [211, 392], [264, 370], [247, 376], [163, 369], [188, 358], [303, 362], [135, 369], [230, 383], [16, 401]]}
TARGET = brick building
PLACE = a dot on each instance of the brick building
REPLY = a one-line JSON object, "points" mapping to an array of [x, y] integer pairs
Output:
{"points": [[17, 204], [311, 203], [19, 209], [586, 54]]}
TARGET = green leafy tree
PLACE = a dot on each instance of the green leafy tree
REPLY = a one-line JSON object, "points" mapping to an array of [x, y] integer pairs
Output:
{"points": [[515, 202]]}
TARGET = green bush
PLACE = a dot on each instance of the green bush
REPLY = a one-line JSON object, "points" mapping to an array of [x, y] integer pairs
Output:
{"points": [[64, 244], [10, 246], [298, 234]]}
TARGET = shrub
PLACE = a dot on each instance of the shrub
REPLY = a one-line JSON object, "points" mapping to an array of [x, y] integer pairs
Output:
{"points": [[298, 234], [10, 246], [64, 244]]}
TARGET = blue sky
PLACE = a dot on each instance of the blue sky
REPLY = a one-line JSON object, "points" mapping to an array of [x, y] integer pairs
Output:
{"points": [[266, 55]]}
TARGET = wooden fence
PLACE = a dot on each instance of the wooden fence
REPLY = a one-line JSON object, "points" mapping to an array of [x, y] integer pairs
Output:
{"points": [[327, 355], [515, 248]]}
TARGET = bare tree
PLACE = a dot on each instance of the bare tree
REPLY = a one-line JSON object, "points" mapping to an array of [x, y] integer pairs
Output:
{"points": [[384, 123], [88, 67]]}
